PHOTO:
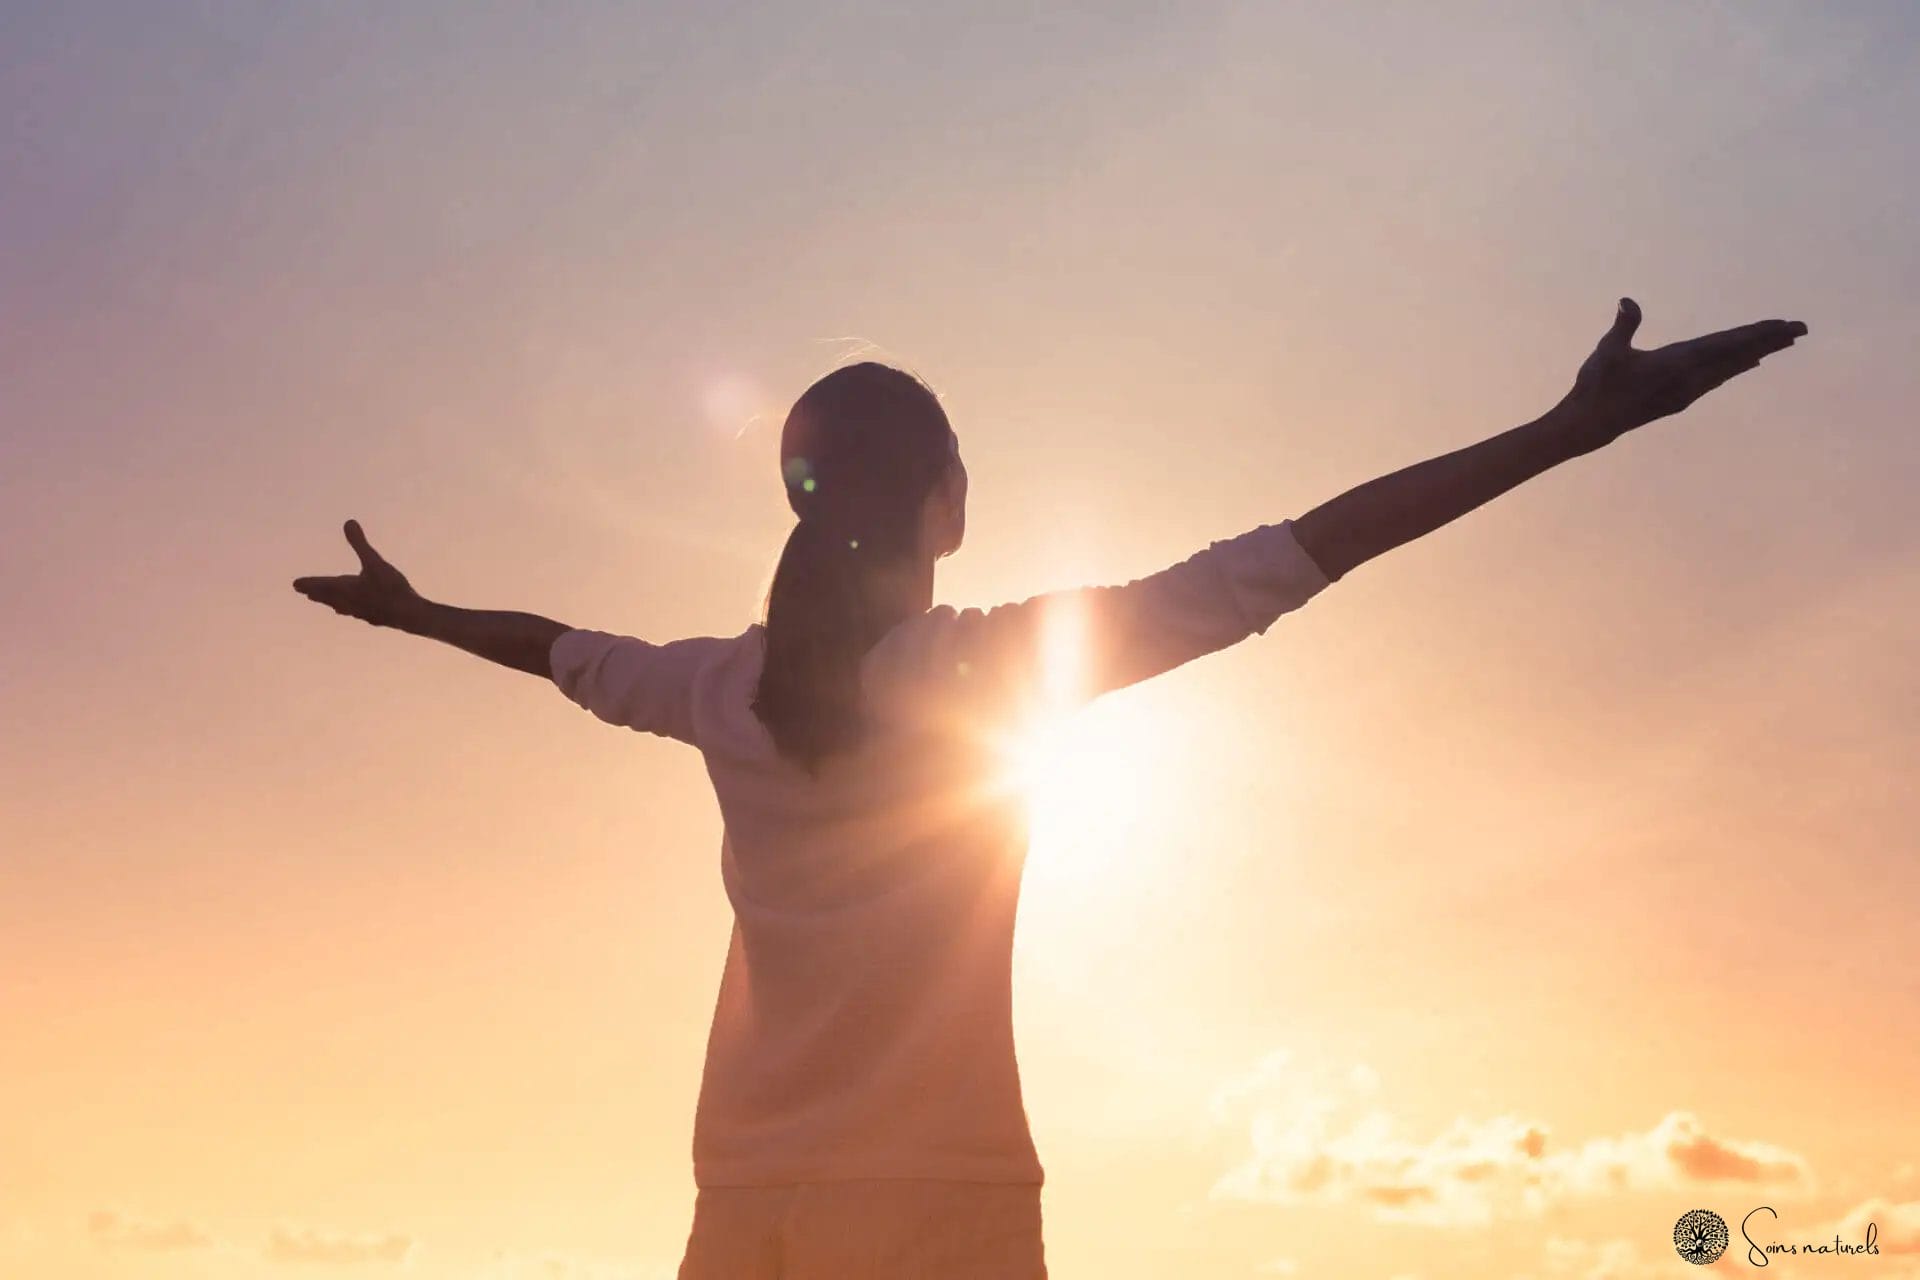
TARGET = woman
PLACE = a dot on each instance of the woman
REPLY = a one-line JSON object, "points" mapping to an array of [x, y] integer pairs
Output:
{"points": [[860, 1111]]}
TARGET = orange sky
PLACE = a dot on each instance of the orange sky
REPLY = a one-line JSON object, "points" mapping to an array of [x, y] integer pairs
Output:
{"points": [[1534, 885]]}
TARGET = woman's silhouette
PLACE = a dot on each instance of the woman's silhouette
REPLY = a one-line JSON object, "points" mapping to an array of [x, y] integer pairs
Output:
{"points": [[860, 1111]]}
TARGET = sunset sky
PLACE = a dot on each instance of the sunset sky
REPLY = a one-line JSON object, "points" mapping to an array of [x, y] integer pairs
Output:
{"points": [[1531, 886]]}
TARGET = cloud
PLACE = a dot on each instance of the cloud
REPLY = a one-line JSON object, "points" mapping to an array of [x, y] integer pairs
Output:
{"points": [[1617, 1259], [1317, 1138], [109, 1228], [301, 1245], [1678, 1153]]}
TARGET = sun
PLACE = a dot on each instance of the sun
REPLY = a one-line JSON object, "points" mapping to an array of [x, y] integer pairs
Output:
{"points": [[1085, 787], [1083, 766]]}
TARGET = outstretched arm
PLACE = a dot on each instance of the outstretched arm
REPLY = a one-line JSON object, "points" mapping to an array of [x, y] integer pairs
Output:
{"points": [[381, 595], [1618, 388]]}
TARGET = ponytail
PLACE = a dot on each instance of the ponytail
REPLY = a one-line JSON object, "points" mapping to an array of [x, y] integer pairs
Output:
{"points": [[861, 450], [822, 617]]}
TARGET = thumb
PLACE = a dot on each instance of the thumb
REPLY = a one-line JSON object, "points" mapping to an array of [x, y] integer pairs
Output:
{"points": [[1625, 321], [364, 549]]}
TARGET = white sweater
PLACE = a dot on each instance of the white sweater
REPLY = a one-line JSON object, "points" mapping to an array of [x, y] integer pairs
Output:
{"points": [[864, 1027]]}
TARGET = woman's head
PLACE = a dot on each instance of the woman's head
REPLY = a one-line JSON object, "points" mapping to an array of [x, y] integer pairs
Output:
{"points": [[872, 469], [863, 450]]}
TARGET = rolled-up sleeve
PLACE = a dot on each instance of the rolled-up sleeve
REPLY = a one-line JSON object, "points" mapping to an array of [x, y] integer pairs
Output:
{"points": [[630, 682], [1070, 646]]}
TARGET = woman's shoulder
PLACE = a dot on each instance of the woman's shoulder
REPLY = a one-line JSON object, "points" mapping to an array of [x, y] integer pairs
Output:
{"points": [[730, 659], [915, 645], [938, 660]]}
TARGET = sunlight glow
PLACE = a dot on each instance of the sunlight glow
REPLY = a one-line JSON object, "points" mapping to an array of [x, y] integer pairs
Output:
{"points": [[1086, 785], [1080, 768]]}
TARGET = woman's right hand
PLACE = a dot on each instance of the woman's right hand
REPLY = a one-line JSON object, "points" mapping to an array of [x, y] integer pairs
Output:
{"points": [[379, 594]]}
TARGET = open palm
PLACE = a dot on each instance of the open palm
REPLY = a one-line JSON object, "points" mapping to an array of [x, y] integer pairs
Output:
{"points": [[379, 593], [1624, 387]]}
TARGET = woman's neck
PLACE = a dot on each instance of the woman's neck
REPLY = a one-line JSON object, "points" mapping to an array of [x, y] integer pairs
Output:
{"points": [[907, 590]]}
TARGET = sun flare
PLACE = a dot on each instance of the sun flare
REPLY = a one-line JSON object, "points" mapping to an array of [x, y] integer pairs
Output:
{"points": [[1085, 787], [1079, 766]]}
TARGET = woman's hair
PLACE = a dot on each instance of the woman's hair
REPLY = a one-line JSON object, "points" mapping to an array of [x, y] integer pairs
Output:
{"points": [[861, 450]]}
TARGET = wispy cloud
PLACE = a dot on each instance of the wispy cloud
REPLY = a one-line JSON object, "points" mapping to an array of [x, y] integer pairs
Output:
{"points": [[1318, 1137], [304, 1245], [119, 1231], [1616, 1259]]}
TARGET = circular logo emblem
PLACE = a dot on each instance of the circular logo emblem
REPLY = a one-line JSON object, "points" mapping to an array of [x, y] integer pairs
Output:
{"points": [[1700, 1236]]}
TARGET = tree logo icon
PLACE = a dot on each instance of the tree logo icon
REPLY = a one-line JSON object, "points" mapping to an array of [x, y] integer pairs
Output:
{"points": [[1700, 1236]]}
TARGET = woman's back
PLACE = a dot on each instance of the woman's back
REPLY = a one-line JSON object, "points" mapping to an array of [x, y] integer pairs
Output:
{"points": [[864, 1023]]}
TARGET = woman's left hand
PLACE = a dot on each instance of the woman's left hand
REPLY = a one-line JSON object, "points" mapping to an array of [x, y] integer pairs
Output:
{"points": [[1620, 387]]}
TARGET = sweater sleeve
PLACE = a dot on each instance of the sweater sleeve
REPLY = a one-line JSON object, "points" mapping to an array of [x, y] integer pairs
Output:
{"points": [[1068, 647], [630, 682]]}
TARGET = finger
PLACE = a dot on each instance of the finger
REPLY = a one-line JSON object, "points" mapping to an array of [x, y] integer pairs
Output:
{"points": [[1761, 338], [1707, 374], [369, 558], [324, 589], [1626, 319]]}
